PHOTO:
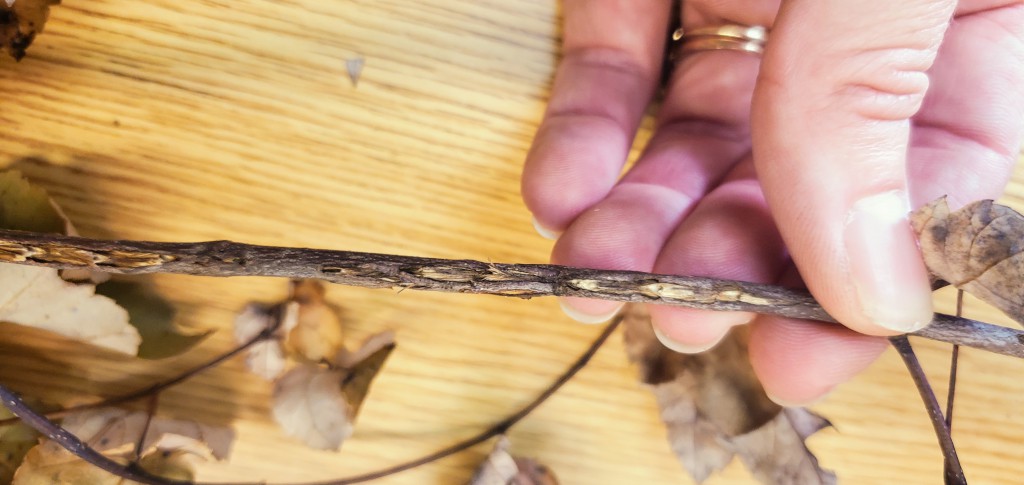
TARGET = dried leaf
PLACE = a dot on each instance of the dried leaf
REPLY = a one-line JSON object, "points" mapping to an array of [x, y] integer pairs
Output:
{"points": [[152, 316], [15, 441], [354, 67], [267, 358], [37, 297], [715, 408], [24, 207], [171, 448], [319, 405], [20, 21], [977, 249], [309, 330], [317, 332], [109, 429], [501, 468]]}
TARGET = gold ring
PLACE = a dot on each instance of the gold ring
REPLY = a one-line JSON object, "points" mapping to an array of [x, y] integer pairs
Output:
{"points": [[744, 38]]}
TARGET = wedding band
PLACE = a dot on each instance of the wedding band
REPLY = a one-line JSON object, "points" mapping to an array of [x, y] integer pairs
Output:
{"points": [[744, 38]]}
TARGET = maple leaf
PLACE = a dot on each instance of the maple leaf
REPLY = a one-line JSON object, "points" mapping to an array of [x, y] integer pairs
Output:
{"points": [[501, 468], [977, 249], [319, 404], [171, 448], [715, 409]]}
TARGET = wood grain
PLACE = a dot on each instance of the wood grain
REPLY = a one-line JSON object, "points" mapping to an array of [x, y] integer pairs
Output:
{"points": [[201, 120]]}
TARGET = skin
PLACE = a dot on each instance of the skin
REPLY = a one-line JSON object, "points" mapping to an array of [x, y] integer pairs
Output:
{"points": [[785, 168]]}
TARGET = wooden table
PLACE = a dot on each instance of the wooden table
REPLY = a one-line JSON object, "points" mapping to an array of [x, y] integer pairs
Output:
{"points": [[179, 121]]}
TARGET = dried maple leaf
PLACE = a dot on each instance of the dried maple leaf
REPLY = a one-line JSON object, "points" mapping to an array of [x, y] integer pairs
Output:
{"points": [[501, 468], [20, 21], [170, 449], [715, 408], [977, 249], [319, 404]]}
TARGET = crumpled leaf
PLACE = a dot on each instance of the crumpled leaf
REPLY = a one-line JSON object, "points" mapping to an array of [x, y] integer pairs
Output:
{"points": [[501, 468], [266, 358], [309, 330], [152, 316], [317, 332], [38, 297], [171, 448], [714, 408], [20, 22], [319, 404], [978, 249], [15, 441]]}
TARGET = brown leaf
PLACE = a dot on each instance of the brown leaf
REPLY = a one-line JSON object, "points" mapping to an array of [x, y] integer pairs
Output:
{"points": [[977, 249], [715, 408], [266, 358], [20, 21], [317, 332], [170, 450], [501, 468], [309, 330], [319, 405]]}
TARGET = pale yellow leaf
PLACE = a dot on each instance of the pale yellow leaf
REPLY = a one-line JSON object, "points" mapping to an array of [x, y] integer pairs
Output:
{"points": [[319, 405], [266, 359], [37, 297], [308, 405], [501, 468]]}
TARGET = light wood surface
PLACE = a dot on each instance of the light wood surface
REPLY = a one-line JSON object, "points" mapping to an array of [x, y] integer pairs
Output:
{"points": [[170, 120]]}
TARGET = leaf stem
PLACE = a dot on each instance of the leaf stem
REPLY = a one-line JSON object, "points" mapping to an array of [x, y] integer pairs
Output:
{"points": [[159, 387], [226, 258], [954, 473]]}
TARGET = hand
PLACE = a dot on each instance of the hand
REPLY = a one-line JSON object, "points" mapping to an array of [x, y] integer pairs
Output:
{"points": [[858, 110]]}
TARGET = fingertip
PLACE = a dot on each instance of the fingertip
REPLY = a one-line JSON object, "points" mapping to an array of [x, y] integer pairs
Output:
{"points": [[692, 331], [544, 231], [587, 310], [800, 362]]}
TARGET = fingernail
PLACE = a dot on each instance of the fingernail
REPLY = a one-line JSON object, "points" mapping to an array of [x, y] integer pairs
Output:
{"points": [[681, 347], [798, 403], [545, 232], [888, 272], [587, 316]]}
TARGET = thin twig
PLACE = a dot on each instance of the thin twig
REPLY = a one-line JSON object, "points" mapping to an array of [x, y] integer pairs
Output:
{"points": [[954, 473], [497, 429], [151, 406], [950, 473], [225, 258], [79, 448], [160, 386], [72, 444], [953, 365]]}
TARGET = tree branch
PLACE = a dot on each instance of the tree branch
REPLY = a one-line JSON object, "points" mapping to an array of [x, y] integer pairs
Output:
{"points": [[226, 258]]}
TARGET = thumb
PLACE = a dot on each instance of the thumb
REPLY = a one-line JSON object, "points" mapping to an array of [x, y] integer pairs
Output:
{"points": [[831, 124]]}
